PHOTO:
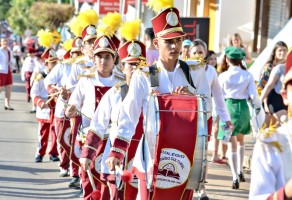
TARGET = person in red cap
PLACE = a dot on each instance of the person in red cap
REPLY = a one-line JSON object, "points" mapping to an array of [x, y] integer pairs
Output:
{"points": [[26, 73], [169, 75], [106, 116], [5, 71], [89, 91], [45, 110], [58, 77]]}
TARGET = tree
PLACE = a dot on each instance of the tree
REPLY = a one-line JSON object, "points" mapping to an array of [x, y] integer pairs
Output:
{"points": [[4, 6], [18, 16], [50, 15]]}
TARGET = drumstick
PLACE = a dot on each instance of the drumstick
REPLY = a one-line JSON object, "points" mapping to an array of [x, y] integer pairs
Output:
{"points": [[50, 99], [95, 194], [125, 175], [79, 112], [56, 93]]}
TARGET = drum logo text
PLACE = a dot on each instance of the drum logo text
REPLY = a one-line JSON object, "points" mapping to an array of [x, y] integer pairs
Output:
{"points": [[173, 169]]}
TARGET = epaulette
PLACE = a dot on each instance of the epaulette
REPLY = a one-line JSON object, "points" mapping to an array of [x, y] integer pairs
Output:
{"points": [[80, 60], [87, 75], [39, 76], [196, 62], [268, 136]]}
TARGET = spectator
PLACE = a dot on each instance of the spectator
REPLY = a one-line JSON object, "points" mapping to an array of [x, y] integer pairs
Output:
{"points": [[5, 71], [152, 53], [236, 41], [185, 53], [16, 54]]}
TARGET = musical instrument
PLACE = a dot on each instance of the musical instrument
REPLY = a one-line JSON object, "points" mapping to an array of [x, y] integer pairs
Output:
{"points": [[174, 145]]}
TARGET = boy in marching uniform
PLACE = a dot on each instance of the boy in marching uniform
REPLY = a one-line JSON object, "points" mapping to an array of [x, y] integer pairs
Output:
{"points": [[84, 64], [58, 77], [105, 118], [45, 110], [27, 70], [90, 89], [272, 156], [171, 79]]}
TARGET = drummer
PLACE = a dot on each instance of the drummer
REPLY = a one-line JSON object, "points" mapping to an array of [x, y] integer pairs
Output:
{"points": [[90, 89], [272, 155], [106, 115], [168, 40]]}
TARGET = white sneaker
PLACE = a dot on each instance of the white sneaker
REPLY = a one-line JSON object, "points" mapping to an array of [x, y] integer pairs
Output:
{"points": [[64, 172]]}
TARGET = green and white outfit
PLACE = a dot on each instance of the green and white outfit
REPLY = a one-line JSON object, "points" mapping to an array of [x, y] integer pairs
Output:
{"points": [[238, 86]]}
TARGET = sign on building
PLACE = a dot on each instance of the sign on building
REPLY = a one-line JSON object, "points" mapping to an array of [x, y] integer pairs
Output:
{"points": [[196, 27]]}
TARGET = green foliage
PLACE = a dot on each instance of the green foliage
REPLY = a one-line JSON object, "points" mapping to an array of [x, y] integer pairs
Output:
{"points": [[4, 7], [50, 15], [18, 16]]}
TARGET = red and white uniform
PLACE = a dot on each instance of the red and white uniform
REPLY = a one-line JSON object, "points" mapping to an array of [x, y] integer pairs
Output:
{"points": [[26, 73], [5, 70], [44, 116], [137, 99], [58, 76], [85, 98]]}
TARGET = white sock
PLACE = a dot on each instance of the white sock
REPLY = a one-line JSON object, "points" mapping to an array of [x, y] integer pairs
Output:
{"points": [[202, 192], [240, 154], [233, 164]]}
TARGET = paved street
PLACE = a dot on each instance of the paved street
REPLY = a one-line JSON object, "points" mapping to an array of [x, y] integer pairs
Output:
{"points": [[22, 178]]}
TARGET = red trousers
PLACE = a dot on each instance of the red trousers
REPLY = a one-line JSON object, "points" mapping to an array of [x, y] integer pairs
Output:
{"points": [[44, 130], [27, 84], [74, 169], [86, 185], [61, 126]]}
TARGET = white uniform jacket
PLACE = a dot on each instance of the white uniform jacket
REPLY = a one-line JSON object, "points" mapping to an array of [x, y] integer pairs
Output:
{"points": [[39, 95], [83, 96], [137, 99], [271, 166], [58, 76]]}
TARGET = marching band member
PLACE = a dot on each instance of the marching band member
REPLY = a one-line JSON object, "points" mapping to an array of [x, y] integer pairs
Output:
{"points": [[199, 47], [169, 71], [90, 89], [106, 116], [45, 110], [238, 86], [272, 155], [58, 77], [27, 70]]}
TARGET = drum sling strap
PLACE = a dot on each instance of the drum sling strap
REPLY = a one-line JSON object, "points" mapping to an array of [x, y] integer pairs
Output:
{"points": [[154, 78]]}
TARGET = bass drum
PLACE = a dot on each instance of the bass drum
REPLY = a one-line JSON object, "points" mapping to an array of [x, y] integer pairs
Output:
{"points": [[176, 168]]}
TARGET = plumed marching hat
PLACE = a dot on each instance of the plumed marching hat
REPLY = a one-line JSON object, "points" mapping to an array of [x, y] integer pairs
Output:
{"points": [[76, 45], [50, 55], [166, 24], [104, 44], [132, 50], [88, 32]]}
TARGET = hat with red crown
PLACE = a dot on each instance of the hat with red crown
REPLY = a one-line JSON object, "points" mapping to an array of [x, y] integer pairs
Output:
{"points": [[67, 55], [104, 44], [166, 24], [116, 40], [50, 55], [76, 45], [88, 32], [132, 50], [31, 50]]}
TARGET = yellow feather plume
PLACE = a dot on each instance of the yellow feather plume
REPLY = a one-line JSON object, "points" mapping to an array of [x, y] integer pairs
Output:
{"points": [[45, 38], [88, 17], [159, 5], [130, 30], [103, 30], [68, 44], [56, 36], [113, 21], [76, 27]]}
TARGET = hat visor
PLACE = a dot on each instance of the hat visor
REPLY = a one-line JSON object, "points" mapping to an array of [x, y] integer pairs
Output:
{"points": [[88, 37], [75, 50], [99, 50], [172, 35], [133, 59], [53, 59]]}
